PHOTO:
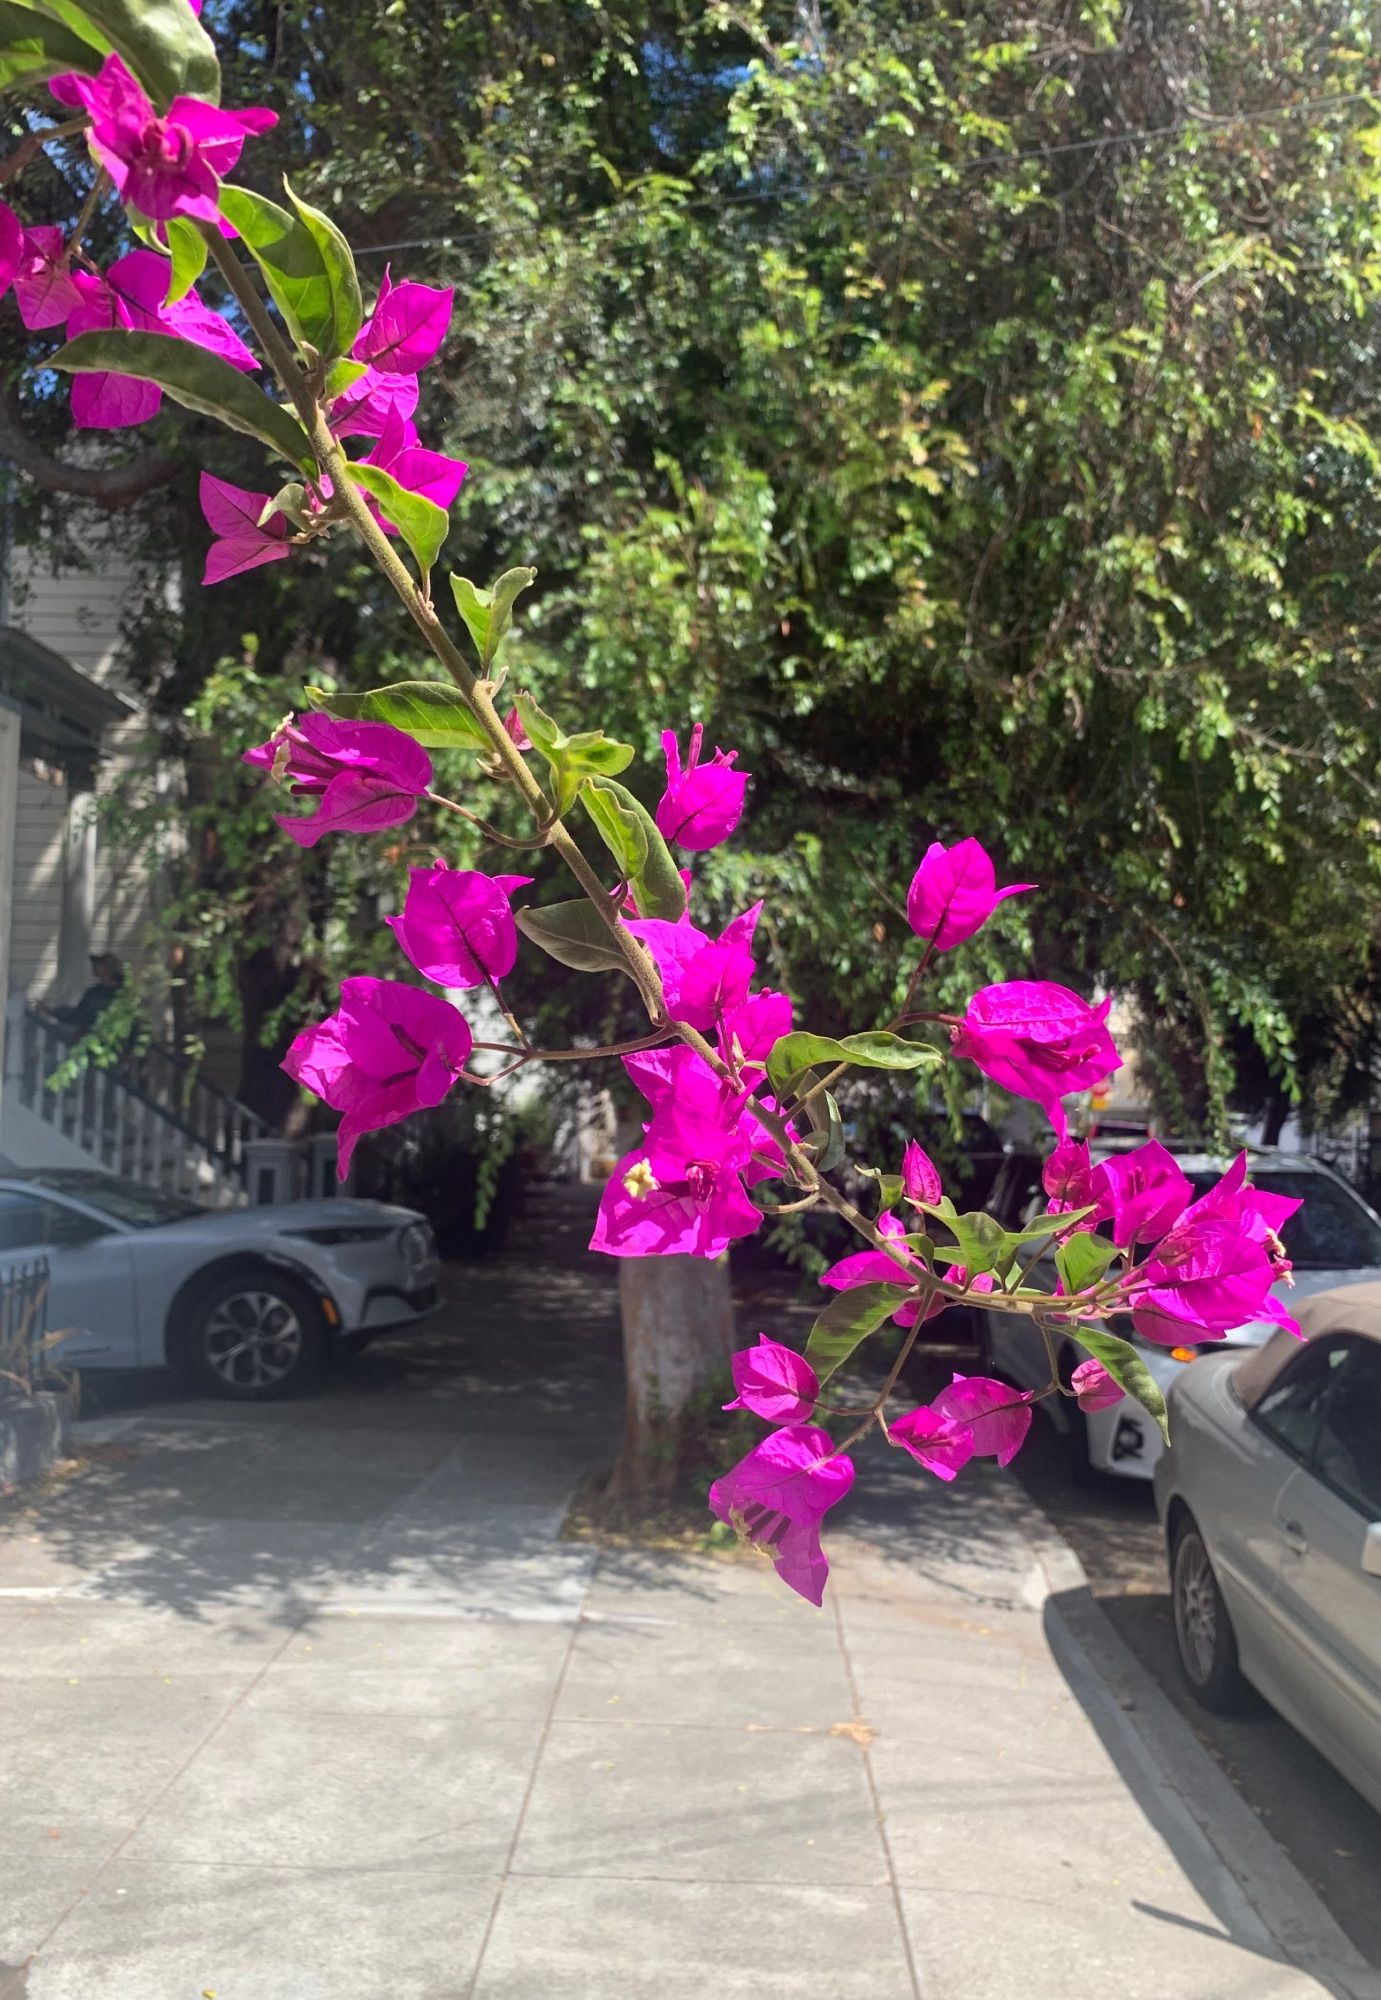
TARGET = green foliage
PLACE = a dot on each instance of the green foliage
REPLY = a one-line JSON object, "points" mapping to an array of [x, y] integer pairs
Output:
{"points": [[162, 41], [1083, 1260], [434, 715], [847, 1320], [573, 934], [644, 860], [194, 377], [794, 1054], [33, 47], [188, 248], [422, 524], [572, 759], [307, 266], [967, 464], [488, 613]]}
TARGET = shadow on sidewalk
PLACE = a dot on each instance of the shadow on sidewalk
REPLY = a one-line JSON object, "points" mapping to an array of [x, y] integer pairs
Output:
{"points": [[1176, 1795]]}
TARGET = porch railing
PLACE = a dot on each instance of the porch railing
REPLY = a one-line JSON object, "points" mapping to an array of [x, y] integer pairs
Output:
{"points": [[151, 1117]]}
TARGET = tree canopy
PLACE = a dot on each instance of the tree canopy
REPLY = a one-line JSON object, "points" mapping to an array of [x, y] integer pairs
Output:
{"points": [[969, 414]]}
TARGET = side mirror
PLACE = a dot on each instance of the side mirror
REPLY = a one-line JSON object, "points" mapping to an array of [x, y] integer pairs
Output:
{"points": [[1371, 1550]]}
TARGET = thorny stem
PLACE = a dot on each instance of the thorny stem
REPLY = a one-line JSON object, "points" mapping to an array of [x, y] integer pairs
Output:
{"points": [[488, 832], [657, 1041], [97, 189], [333, 460]]}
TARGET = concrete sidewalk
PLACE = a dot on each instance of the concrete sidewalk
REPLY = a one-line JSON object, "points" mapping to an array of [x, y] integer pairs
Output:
{"points": [[312, 1702]]}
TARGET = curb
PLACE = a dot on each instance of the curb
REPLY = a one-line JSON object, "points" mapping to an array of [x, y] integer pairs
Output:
{"points": [[1244, 1873]]}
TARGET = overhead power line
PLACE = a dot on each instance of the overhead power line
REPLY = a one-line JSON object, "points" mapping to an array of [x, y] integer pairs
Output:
{"points": [[735, 198]]}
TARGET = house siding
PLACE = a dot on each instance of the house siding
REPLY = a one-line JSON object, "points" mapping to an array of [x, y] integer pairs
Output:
{"points": [[40, 845]]}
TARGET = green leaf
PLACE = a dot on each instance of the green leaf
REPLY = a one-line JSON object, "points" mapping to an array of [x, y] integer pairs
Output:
{"points": [[572, 758], [621, 831], [196, 379], [343, 374], [889, 1187], [338, 260], [1128, 1370], [849, 1318], [1083, 1260], [828, 1128], [188, 247], [422, 524], [306, 289], [630, 833], [33, 47], [574, 934], [981, 1242], [162, 41], [796, 1053], [431, 713], [488, 614]]}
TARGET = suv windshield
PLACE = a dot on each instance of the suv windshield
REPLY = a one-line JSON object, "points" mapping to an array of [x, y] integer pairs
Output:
{"points": [[124, 1201], [1332, 1232]]}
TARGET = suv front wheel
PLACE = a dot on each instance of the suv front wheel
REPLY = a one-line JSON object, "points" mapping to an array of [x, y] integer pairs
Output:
{"points": [[254, 1336]]}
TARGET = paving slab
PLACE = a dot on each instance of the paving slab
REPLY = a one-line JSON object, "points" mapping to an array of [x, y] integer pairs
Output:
{"points": [[484, 1675], [673, 1671], [305, 1788], [700, 1805], [38, 1891], [311, 1700], [84, 1757], [634, 1939], [171, 1931]]}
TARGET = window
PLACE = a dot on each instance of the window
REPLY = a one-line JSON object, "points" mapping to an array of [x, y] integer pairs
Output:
{"points": [[21, 1222], [29, 1223], [1347, 1451], [123, 1201], [1334, 1231], [1291, 1410]]}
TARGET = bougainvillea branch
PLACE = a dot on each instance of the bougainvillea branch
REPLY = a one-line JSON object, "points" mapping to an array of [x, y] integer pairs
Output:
{"points": [[739, 1098]]}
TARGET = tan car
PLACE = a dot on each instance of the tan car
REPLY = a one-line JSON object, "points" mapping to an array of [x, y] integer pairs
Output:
{"points": [[1270, 1495]]}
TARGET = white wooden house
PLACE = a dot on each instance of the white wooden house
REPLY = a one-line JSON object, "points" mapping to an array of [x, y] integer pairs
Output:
{"points": [[66, 721]]}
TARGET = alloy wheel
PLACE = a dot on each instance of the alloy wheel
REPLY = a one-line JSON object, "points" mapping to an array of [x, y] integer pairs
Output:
{"points": [[253, 1339]]}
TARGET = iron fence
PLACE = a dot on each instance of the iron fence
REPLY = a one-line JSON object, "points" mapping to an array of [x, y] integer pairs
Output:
{"points": [[23, 1324]]}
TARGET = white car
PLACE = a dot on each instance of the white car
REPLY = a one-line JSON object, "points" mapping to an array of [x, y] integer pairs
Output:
{"points": [[1270, 1495], [247, 1301], [1334, 1239]]}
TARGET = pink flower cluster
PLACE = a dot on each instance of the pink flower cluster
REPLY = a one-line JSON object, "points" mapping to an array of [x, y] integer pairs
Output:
{"points": [[685, 1188], [404, 332], [161, 166], [776, 1497], [1206, 1267]]}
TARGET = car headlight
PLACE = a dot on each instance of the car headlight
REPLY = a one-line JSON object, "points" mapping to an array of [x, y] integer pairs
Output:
{"points": [[345, 1232], [416, 1244]]}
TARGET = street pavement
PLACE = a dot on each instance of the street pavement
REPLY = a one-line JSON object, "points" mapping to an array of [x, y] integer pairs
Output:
{"points": [[313, 1700]]}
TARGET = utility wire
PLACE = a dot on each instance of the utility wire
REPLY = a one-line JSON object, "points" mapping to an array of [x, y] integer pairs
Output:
{"points": [[1146, 135]]}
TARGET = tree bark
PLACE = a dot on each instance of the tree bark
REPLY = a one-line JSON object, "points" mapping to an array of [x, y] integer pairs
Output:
{"points": [[678, 1334], [112, 486]]}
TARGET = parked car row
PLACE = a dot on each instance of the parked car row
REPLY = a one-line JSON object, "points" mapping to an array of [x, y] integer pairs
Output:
{"points": [[248, 1301]]}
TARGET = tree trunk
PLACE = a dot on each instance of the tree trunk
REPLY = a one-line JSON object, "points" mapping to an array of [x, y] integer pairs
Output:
{"points": [[678, 1334]]}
